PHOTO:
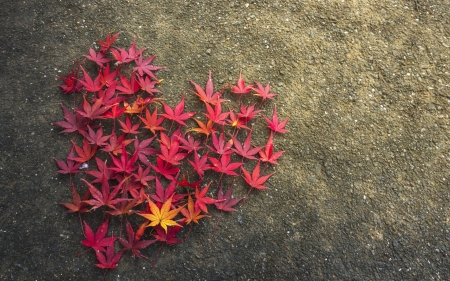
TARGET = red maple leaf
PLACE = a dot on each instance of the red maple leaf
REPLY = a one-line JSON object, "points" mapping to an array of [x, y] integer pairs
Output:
{"points": [[98, 58], [177, 114], [152, 122], [77, 204], [104, 198], [221, 146], [97, 241], [267, 155], [144, 66], [190, 144], [199, 164], [128, 127], [71, 83], [68, 167], [110, 260], [96, 137], [162, 194], [129, 87], [201, 199], [264, 92], [224, 165], [148, 85], [102, 172], [216, 114], [91, 86], [226, 202], [208, 94], [144, 150], [245, 149], [170, 236], [105, 45], [254, 180], [75, 122], [165, 169], [95, 111], [247, 113], [124, 165], [142, 176], [241, 89], [132, 243], [115, 143], [85, 153], [274, 125], [107, 78], [171, 154]]}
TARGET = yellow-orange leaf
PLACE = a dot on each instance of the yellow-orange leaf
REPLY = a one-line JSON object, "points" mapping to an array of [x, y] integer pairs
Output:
{"points": [[161, 216], [192, 214]]}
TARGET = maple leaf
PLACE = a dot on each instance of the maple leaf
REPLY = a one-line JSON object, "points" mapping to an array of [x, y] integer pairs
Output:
{"points": [[71, 83], [97, 241], [115, 112], [244, 149], [124, 165], [171, 154], [274, 125], [74, 122], [105, 45], [144, 66], [109, 96], [115, 144], [161, 216], [190, 143], [142, 176], [152, 122], [144, 150], [148, 85], [101, 173], [177, 114], [163, 194], [220, 146], [95, 111], [192, 214], [247, 113], [241, 89], [134, 108], [132, 53], [98, 58], [226, 202], [110, 260], [203, 129], [68, 167], [128, 127], [107, 78], [97, 137], [85, 153], [216, 114], [208, 95], [202, 200], [165, 169], [264, 92], [255, 180], [121, 56], [132, 243], [169, 235], [185, 183], [91, 86], [237, 122], [124, 207], [199, 164], [224, 165], [104, 198], [129, 87], [267, 154], [77, 204]]}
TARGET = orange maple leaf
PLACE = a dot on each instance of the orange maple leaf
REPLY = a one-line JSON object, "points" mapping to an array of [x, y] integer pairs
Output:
{"points": [[203, 129], [192, 214], [161, 216]]}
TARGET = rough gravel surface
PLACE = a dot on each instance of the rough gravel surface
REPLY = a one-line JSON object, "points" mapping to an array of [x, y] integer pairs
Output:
{"points": [[362, 191]]}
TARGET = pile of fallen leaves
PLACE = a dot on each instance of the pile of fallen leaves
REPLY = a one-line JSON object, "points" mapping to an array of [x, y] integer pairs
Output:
{"points": [[137, 156]]}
